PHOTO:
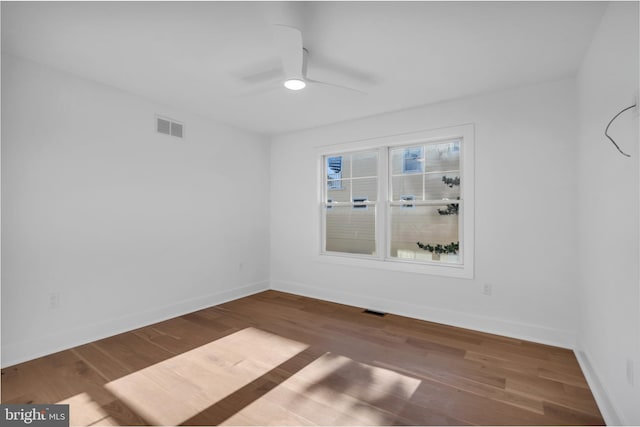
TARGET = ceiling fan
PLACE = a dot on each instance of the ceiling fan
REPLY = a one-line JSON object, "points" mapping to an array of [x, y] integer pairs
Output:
{"points": [[293, 56]]}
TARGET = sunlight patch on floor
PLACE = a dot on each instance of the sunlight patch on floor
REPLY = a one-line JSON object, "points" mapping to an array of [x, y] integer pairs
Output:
{"points": [[332, 390], [173, 391], [84, 411]]}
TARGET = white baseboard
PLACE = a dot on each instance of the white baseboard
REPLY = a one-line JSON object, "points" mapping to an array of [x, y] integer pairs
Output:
{"points": [[13, 353], [523, 331], [607, 407]]}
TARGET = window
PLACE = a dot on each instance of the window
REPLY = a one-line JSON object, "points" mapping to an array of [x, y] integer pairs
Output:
{"points": [[403, 202], [433, 218], [350, 207]]}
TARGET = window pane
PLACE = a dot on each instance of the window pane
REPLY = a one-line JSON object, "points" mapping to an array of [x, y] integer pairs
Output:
{"points": [[406, 185], [340, 193], [364, 164], [334, 184], [407, 160], [413, 160], [350, 230], [440, 186], [427, 225], [346, 166], [365, 188], [338, 167], [396, 161], [443, 156], [334, 167]]}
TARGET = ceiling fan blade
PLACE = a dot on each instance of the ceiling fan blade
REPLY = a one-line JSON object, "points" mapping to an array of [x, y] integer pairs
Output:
{"points": [[260, 91], [334, 85], [289, 42], [265, 72]]}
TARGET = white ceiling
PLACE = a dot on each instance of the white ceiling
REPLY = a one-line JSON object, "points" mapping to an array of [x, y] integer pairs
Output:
{"points": [[205, 56]]}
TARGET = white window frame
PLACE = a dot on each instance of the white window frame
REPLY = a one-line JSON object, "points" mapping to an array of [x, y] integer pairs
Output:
{"points": [[381, 258]]}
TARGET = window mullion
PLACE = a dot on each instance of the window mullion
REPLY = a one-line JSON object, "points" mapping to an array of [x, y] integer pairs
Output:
{"points": [[423, 177], [383, 207], [351, 177]]}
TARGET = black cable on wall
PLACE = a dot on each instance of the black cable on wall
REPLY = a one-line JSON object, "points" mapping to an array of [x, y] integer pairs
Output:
{"points": [[607, 129]]}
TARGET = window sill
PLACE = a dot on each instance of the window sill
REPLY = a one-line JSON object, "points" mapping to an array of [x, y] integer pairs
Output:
{"points": [[399, 264]]}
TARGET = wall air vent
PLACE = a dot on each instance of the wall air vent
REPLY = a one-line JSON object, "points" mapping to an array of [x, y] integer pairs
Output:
{"points": [[169, 127]]}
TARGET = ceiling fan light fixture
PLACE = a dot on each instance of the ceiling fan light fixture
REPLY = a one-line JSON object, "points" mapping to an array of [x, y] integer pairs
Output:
{"points": [[295, 84]]}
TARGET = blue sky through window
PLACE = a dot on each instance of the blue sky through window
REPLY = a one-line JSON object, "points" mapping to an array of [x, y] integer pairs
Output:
{"points": [[334, 173]]}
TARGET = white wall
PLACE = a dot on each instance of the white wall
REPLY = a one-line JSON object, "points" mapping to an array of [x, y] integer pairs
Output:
{"points": [[526, 237], [127, 225], [609, 215]]}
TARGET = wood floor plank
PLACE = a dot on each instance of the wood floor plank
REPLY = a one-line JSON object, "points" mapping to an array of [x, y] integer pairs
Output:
{"points": [[315, 411], [430, 346], [106, 366], [472, 386], [473, 408], [565, 415], [554, 392], [265, 413], [508, 365], [119, 413], [133, 351], [572, 378], [281, 359]]}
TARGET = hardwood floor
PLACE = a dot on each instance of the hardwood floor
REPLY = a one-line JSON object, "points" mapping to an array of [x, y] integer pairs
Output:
{"points": [[281, 359]]}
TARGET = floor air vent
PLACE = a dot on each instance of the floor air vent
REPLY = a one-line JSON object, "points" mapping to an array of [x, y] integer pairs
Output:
{"points": [[374, 313]]}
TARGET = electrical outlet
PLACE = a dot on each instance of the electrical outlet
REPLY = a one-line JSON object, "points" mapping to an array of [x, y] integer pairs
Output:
{"points": [[630, 372], [487, 289], [54, 300]]}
